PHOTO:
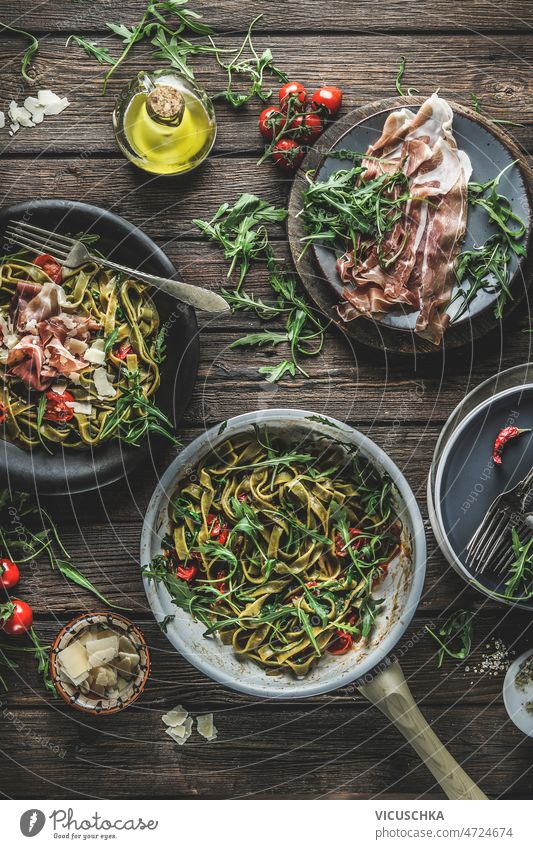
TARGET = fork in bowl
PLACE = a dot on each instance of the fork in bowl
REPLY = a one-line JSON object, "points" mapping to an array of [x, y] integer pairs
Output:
{"points": [[491, 545], [72, 253]]}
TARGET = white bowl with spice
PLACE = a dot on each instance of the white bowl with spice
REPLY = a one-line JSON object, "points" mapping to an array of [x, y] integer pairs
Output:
{"points": [[518, 692]]}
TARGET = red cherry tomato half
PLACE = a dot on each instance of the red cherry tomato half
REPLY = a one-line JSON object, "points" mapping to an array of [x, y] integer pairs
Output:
{"points": [[243, 496], [327, 99], [123, 351], [50, 266], [271, 121], [20, 620], [3, 413], [307, 127], [293, 95], [287, 154], [186, 573], [56, 407], [9, 573], [341, 643]]}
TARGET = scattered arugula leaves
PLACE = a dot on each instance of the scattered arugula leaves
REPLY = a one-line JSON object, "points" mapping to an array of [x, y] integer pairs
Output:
{"points": [[454, 636]]}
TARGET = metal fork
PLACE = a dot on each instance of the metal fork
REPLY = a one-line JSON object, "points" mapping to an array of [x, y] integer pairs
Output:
{"points": [[491, 545], [72, 253]]}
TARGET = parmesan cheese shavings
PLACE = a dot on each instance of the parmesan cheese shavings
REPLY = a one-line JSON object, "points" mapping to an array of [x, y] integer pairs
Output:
{"points": [[179, 725], [100, 662], [33, 111]]}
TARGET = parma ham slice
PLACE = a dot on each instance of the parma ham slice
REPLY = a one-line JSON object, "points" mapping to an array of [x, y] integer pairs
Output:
{"points": [[426, 241]]}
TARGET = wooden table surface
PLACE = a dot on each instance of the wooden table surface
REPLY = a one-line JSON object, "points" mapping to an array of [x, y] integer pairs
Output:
{"points": [[334, 745]]}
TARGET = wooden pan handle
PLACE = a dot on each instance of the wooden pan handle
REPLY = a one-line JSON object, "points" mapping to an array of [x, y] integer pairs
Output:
{"points": [[389, 692]]}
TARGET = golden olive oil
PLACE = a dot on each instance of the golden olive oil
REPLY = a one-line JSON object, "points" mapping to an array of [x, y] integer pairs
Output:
{"points": [[162, 133]]}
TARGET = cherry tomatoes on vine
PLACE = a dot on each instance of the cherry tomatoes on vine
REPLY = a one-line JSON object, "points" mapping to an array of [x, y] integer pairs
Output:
{"points": [[293, 95], [287, 154], [327, 99], [307, 127], [271, 121]]}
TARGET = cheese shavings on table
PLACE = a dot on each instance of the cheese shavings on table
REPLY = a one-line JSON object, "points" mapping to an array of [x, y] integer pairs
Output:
{"points": [[180, 724], [34, 110]]}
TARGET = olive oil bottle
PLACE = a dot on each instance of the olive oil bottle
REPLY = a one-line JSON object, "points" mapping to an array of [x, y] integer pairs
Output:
{"points": [[164, 123]]}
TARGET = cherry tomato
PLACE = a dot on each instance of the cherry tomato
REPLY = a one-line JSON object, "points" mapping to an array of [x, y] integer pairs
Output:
{"points": [[243, 497], [287, 154], [186, 573], [56, 407], [50, 266], [327, 99], [293, 95], [307, 127], [20, 620], [9, 573], [3, 413], [123, 351], [271, 121], [341, 643]]}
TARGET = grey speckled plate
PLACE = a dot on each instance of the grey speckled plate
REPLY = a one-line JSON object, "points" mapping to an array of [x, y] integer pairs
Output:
{"points": [[490, 150], [80, 470], [464, 480]]}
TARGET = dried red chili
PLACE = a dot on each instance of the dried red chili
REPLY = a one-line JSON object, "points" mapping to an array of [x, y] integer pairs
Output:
{"points": [[3, 413], [503, 438]]}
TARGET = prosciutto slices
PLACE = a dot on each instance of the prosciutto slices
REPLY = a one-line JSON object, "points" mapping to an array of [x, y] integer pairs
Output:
{"points": [[425, 242], [45, 341]]}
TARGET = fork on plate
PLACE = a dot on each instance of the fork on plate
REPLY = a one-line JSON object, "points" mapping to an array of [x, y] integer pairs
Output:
{"points": [[491, 546], [71, 254]]}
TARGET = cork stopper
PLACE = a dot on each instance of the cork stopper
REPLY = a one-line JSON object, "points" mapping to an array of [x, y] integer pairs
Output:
{"points": [[165, 104]]}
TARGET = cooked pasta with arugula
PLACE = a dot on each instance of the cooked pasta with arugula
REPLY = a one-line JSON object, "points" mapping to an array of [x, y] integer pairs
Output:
{"points": [[280, 551], [79, 355]]}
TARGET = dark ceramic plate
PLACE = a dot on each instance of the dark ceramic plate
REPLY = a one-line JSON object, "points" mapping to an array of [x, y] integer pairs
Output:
{"points": [[80, 470], [467, 480], [490, 151]]}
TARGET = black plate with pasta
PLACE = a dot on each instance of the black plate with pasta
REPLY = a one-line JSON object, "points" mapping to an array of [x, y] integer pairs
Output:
{"points": [[96, 369]]}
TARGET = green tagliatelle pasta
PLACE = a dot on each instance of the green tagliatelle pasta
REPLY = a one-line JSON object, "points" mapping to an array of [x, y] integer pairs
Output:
{"points": [[279, 551], [128, 331]]}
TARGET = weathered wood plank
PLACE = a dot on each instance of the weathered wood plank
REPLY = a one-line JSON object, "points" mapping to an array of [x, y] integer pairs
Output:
{"points": [[497, 70], [260, 751], [279, 16]]}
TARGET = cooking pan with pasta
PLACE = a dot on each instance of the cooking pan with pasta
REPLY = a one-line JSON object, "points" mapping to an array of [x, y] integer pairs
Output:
{"points": [[285, 552], [96, 367]]}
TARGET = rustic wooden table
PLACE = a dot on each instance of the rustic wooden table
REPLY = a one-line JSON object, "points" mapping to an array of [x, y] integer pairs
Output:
{"points": [[334, 745]]}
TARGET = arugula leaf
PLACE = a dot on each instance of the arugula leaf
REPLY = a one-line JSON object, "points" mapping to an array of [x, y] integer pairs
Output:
{"points": [[399, 76], [265, 337], [29, 53], [101, 54], [275, 373], [458, 628], [72, 574]]}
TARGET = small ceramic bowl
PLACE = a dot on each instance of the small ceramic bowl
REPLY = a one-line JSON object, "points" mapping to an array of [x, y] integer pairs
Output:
{"points": [[516, 699], [91, 703]]}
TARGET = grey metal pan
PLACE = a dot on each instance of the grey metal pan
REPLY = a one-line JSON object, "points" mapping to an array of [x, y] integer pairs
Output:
{"points": [[372, 667]]}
